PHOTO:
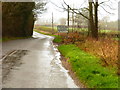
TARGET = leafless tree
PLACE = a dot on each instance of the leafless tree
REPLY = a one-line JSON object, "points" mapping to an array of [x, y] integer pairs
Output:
{"points": [[93, 15]]}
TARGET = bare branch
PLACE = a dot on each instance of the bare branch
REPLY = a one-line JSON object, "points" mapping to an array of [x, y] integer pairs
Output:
{"points": [[56, 5], [104, 2], [106, 10], [109, 6], [64, 7], [65, 3], [83, 3], [77, 12]]}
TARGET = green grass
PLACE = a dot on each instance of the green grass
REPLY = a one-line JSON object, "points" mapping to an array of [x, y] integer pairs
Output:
{"points": [[57, 39], [44, 28], [11, 38], [88, 68], [117, 39], [49, 29], [0, 39], [109, 31]]}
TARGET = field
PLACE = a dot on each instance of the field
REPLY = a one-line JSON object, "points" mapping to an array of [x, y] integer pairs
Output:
{"points": [[47, 29]]}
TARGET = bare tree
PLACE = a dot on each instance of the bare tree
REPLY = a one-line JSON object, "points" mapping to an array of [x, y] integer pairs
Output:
{"points": [[92, 8], [93, 15]]}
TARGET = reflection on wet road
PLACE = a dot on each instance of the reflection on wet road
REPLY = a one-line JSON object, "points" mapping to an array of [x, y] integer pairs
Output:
{"points": [[40, 68]]}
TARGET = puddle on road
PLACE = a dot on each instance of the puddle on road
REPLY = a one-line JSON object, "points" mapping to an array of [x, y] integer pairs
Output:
{"points": [[38, 35], [47, 65], [57, 61]]}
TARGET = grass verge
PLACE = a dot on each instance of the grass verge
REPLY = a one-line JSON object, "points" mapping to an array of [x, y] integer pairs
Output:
{"points": [[88, 68], [11, 38]]}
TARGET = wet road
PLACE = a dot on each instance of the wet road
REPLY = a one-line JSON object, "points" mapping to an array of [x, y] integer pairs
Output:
{"points": [[40, 67]]}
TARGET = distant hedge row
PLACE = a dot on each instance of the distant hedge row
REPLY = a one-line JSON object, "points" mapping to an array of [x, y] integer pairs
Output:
{"points": [[17, 19]]}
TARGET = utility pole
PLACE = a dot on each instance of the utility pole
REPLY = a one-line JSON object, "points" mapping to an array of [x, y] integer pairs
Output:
{"points": [[52, 23], [73, 19], [68, 17]]}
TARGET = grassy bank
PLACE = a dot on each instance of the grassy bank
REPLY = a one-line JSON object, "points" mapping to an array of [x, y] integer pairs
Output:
{"points": [[88, 68]]}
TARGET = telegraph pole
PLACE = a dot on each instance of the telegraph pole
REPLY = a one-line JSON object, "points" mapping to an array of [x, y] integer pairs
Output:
{"points": [[68, 17], [73, 19], [52, 23]]}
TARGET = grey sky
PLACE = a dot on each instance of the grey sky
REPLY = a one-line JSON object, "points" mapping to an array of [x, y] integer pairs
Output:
{"points": [[59, 13]]}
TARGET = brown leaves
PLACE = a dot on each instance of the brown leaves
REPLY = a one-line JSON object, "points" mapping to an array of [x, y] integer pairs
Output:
{"points": [[105, 48], [73, 38]]}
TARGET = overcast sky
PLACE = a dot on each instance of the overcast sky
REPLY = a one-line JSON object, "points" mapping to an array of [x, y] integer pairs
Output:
{"points": [[59, 13]]}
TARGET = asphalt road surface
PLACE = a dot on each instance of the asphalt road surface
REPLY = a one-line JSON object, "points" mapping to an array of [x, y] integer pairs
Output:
{"points": [[40, 67]]}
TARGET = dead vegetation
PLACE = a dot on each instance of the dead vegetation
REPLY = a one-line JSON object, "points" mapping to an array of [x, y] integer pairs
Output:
{"points": [[105, 48]]}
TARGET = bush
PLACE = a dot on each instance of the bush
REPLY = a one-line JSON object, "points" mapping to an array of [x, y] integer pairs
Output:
{"points": [[18, 19]]}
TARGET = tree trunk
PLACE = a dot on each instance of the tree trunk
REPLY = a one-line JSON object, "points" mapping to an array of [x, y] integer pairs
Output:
{"points": [[96, 18], [68, 18], [91, 21], [89, 31]]}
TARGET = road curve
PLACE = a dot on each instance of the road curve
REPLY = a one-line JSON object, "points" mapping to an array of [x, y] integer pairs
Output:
{"points": [[40, 67]]}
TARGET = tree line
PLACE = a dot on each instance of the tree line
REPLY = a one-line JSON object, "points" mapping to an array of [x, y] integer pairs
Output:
{"points": [[18, 18], [91, 16]]}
